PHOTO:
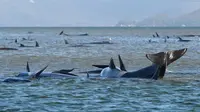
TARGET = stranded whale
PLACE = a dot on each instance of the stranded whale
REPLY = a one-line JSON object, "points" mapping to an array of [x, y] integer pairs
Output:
{"points": [[25, 79], [55, 74], [81, 34], [36, 45], [155, 71], [182, 40]]}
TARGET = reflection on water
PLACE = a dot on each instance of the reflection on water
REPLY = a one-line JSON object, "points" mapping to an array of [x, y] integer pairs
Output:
{"points": [[178, 91]]}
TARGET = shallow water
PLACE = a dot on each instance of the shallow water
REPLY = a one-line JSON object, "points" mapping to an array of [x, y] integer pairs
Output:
{"points": [[178, 91]]}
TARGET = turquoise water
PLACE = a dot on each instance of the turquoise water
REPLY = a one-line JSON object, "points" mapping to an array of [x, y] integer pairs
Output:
{"points": [[178, 91]]}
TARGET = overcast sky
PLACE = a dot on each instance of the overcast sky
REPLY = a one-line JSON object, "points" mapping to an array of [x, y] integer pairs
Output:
{"points": [[87, 12]]}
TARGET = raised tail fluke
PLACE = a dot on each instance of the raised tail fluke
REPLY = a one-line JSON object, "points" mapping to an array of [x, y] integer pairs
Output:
{"points": [[158, 58], [174, 55], [112, 64], [27, 67], [122, 66], [167, 58], [163, 59]]}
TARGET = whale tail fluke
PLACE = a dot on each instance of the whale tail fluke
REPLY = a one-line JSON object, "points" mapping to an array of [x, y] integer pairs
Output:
{"points": [[174, 55], [122, 66], [166, 57], [112, 64], [163, 59], [27, 67], [158, 58]]}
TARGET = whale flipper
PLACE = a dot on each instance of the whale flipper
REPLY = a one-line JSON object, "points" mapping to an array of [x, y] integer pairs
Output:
{"points": [[37, 75], [101, 66], [64, 71], [122, 66], [92, 71]]}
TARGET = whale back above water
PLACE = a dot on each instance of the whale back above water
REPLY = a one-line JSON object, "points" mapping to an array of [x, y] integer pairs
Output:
{"points": [[160, 61], [25, 79], [112, 71], [54, 74]]}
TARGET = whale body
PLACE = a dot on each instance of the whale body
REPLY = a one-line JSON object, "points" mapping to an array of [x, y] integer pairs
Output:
{"points": [[155, 71], [25, 79]]}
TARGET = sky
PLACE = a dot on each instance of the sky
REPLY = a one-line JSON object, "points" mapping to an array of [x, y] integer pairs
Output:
{"points": [[87, 12]]}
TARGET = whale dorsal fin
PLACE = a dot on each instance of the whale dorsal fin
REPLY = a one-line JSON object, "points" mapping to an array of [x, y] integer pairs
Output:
{"points": [[22, 45], [66, 42], [180, 38], [174, 55], [61, 32], [27, 67], [122, 66], [36, 44], [112, 64], [88, 75], [157, 34]]}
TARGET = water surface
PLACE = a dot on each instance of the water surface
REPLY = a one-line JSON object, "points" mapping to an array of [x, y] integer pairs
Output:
{"points": [[178, 91]]}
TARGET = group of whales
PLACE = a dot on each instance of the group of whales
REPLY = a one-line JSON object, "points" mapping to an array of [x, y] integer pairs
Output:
{"points": [[179, 37], [160, 61]]}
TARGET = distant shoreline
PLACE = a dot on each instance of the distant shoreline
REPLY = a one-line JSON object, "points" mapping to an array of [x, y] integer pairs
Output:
{"points": [[162, 27]]}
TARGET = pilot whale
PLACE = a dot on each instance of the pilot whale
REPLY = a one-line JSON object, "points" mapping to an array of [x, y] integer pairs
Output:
{"points": [[160, 62], [36, 45], [155, 71], [81, 34], [55, 74], [25, 79]]}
